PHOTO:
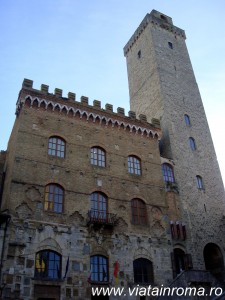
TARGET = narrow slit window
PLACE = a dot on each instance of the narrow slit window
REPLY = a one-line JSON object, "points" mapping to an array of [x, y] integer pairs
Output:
{"points": [[139, 54], [199, 182], [170, 45], [192, 144], [187, 120]]}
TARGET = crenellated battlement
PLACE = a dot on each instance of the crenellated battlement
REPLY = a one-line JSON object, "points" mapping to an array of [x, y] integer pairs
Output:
{"points": [[157, 19], [70, 106]]}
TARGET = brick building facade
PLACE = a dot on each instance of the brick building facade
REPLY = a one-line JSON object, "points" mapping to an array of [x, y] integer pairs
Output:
{"points": [[90, 199]]}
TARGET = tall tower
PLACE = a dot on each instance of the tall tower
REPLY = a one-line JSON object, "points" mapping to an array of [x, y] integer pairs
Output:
{"points": [[162, 85]]}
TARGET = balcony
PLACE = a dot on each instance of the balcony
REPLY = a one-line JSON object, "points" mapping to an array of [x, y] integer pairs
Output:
{"points": [[171, 187], [101, 218]]}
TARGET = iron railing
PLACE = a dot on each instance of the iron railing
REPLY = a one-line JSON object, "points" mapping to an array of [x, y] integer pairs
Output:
{"points": [[101, 217]]}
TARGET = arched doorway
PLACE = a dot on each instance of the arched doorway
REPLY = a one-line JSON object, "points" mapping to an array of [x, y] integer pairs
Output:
{"points": [[181, 261], [214, 262]]}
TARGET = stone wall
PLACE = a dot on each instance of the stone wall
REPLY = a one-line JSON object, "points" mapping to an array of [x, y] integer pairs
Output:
{"points": [[31, 168], [162, 84]]}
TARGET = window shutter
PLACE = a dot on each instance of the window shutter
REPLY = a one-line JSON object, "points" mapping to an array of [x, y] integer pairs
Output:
{"points": [[184, 232], [178, 230], [172, 230], [188, 262], [173, 264]]}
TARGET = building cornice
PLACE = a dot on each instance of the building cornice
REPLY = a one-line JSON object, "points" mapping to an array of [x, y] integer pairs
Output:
{"points": [[156, 19], [36, 99]]}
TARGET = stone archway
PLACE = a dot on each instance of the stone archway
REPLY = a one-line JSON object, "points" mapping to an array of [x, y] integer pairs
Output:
{"points": [[214, 262]]}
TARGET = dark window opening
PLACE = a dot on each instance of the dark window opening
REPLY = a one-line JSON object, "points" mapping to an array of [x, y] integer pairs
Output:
{"points": [[163, 18], [170, 45], [143, 271], [180, 261], [214, 262], [139, 54]]}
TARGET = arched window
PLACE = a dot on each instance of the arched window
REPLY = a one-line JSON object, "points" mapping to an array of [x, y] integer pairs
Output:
{"points": [[98, 157], [143, 271], [56, 146], [99, 269], [139, 212], [192, 143], [167, 171], [54, 198], [99, 206], [48, 265], [187, 120], [199, 182], [134, 165]]}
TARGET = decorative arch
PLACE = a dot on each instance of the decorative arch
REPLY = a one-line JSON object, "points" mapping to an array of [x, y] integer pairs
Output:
{"points": [[49, 243], [99, 250], [142, 252], [68, 110]]}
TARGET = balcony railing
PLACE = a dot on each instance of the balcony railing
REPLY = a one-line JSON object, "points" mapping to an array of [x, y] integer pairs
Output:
{"points": [[101, 218]]}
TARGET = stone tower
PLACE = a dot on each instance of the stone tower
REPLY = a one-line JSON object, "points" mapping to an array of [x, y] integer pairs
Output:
{"points": [[162, 85]]}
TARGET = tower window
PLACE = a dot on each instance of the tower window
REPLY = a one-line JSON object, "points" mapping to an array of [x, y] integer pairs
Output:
{"points": [[167, 171], [192, 143], [199, 182], [170, 45], [187, 120], [134, 165], [139, 54], [163, 18]]}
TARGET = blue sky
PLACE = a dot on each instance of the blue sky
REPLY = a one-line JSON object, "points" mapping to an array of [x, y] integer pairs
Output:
{"points": [[77, 45]]}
